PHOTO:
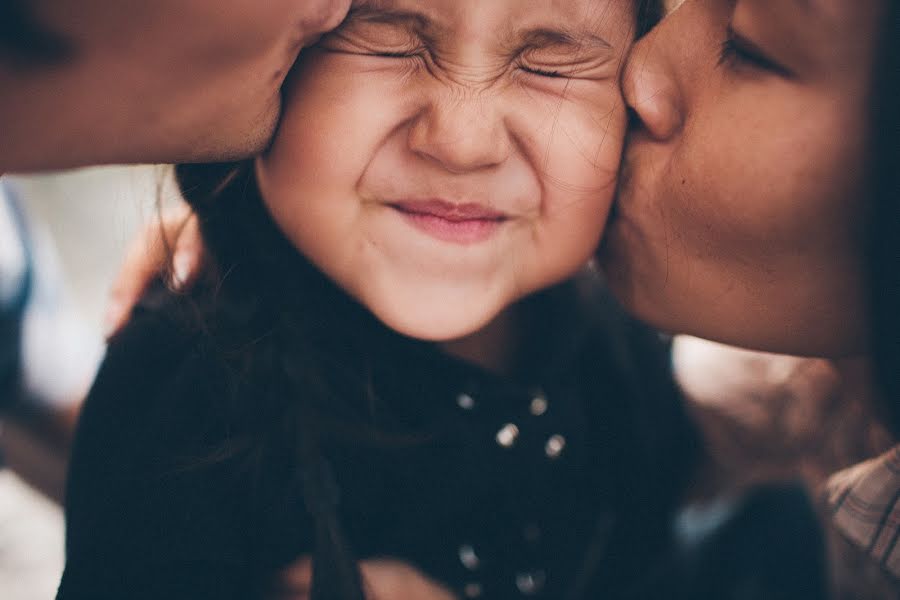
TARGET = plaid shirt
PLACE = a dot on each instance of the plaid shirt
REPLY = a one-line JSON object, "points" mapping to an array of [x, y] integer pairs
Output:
{"points": [[865, 507]]}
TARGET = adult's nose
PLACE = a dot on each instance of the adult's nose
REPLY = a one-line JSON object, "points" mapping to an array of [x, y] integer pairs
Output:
{"points": [[651, 83], [461, 135]]}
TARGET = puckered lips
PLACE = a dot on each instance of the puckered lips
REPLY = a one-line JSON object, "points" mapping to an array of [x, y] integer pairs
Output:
{"points": [[459, 223]]}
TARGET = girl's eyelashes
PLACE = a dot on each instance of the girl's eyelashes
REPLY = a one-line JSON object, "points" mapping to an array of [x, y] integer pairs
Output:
{"points": [[738, 51], [542, 72], [415, 54], [400, 54]]}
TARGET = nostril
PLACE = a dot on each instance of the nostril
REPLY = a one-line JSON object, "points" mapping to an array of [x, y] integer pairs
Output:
{"points": [[634, 120], [658, 115]]}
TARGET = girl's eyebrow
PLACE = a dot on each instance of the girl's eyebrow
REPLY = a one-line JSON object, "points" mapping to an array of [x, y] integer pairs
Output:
{"points": [[563, 37], [373, 11], [378, 11]]}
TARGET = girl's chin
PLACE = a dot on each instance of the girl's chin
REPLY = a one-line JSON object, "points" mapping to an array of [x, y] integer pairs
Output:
{"points": [[433, 311], [435, 326], [436, 331]]}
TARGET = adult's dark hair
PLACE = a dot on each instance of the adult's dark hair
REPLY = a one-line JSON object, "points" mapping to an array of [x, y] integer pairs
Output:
{"points": [[23, 41], [649, 13], [884, 219]]}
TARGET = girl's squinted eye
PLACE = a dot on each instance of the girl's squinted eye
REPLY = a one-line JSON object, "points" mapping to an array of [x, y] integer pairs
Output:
{"points": [[374, 39], [570, 60], [542, 72], [540, 54]]}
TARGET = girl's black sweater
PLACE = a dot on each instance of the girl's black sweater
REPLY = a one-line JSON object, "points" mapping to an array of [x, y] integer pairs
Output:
{"points": [[556, 483]]}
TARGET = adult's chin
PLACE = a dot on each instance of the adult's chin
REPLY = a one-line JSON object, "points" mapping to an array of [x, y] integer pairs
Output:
{"points": [[233, 137], [615, 261]]}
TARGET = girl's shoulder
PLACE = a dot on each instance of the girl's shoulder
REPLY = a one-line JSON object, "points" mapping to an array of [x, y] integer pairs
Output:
{"points": [[156, 372], [142, 482]]}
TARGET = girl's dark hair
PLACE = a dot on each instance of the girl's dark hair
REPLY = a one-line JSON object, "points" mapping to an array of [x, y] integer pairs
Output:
{"points": [[281, 327], [884, 219], [649, 13], [23, 41]]}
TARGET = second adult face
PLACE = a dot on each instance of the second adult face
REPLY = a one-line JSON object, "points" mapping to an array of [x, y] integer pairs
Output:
{"points": [[742, 203]]}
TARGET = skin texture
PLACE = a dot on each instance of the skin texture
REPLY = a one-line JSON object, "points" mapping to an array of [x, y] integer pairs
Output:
{"points": [[161, 81], [739, 216], [454, 101]]}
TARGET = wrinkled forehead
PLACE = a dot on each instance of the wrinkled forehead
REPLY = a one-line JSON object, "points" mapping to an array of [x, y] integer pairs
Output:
{"points": [[473, 20]]}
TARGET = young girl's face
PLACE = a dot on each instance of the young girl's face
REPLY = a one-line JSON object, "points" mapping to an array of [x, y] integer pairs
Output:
{"points": [[441, 159]]}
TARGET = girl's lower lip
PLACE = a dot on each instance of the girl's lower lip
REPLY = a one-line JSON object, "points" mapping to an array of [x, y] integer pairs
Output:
{"points": [[457, 231]]}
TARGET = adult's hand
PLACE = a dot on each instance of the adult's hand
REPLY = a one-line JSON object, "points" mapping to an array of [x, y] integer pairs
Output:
{"points": [[383, 580], [131, 81], [171, 248]]}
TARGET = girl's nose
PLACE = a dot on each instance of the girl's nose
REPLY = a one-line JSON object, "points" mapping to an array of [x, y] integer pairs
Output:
{"points": [[461, 136]]}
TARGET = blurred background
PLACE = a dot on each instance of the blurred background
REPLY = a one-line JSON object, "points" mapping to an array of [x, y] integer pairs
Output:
{"points": [[71, 205], [80, 223]]}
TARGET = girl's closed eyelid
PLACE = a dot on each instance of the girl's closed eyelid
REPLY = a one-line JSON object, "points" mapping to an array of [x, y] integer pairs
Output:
{"points": [[587, 64], [557, 38], [373, 38]]}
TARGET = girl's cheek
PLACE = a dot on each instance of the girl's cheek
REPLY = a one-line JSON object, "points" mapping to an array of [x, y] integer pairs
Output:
{"points": [[335, 115], [588, 139]]}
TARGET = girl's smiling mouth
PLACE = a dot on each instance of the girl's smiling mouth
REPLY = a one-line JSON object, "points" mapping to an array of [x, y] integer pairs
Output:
{"points": [[466, 223]]}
